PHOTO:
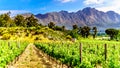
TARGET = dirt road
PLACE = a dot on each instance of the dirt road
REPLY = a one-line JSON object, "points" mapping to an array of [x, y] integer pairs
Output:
{"points": [[34, 58]]}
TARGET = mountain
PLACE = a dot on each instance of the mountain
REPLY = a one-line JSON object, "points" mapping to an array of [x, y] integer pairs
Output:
{"points": [[86, 17], [26, 14]]}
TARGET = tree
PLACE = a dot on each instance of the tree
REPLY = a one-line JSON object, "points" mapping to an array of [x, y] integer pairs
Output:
{"points": [[51, 25], [95, 31], [58, 28], [19, 20], [75, 26], [31, 21], [5, 20], [74, 33], [85, 31], [63, 28], [112, 33]]}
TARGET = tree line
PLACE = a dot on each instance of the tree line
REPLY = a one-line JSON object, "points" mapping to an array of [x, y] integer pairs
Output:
{"points": [[85, 31], [19, 20], [76, 31]]}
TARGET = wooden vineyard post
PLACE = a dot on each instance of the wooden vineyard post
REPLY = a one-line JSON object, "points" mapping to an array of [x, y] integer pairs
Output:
{"points": [[80, 52], [105, 51], [1, 43], [97, 47], [9, 44], [114, 47], [68, 53], [49, 54], [18, 44]]}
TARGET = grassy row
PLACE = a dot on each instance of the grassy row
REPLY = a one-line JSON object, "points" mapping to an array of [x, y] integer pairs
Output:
{"points": [[9, 50]]}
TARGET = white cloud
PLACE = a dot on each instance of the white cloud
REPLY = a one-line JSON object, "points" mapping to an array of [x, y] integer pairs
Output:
{"points": [[65, 1], [104, 5], [91, 2], [14, 12]]}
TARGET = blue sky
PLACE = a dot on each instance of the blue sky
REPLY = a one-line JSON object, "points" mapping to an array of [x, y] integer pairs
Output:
{"points": [[44, 6]]}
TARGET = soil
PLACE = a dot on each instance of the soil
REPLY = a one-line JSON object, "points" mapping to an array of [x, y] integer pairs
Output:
{"points": [[35, 58]]}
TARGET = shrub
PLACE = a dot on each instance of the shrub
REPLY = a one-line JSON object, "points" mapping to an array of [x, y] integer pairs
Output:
{"points": [[38, 38], [6, 36], [69, 37]]}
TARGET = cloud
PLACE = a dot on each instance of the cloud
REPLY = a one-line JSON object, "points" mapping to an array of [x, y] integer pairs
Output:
{"points": [[93, 2], [104, 5], [66, 1], [14, 12]]}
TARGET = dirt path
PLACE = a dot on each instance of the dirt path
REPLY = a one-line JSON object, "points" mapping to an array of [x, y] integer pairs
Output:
{"points": [[34, 58]]}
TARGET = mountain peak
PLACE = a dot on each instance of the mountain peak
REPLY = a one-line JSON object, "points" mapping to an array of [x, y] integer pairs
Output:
{"points": [[86, 17], [89, 10], [63, 11], [111, 12]]}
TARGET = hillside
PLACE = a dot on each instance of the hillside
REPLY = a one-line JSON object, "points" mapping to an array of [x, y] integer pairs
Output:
{"points": [[88, 16]]}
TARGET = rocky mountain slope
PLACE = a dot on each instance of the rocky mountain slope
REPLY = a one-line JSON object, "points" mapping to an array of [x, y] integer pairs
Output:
{"points": [[88, 16]]}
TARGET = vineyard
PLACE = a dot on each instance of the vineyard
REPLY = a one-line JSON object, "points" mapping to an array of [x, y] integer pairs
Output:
{"points": [[85, 54], [55, 49], [81, 54], [9, 50]]}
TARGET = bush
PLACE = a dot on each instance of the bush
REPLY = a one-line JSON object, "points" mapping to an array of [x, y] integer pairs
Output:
{"points": [[69, 37], [38, 38], [74, 34], [6, 36]]}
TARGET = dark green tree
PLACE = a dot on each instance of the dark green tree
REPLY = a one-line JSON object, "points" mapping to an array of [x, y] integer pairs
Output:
{"points": [[58, 28], [85, 31], [19, 20], [74, 33], [94, 31], [63, 28], [75, 26], [31, 21], [51, 25], [5, 20], [112, 33]]}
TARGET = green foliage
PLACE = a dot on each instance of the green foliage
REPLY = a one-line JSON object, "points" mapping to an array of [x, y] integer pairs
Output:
{"points": [[5, 20], [74, 33], [95, 31], [75, 27], [58, 28], [112, 33], [92, 53], [9, 50], [85, 31], [31, 21], [63, 28], [69, 37], [19, 20], [51, 25], [6, 36]]}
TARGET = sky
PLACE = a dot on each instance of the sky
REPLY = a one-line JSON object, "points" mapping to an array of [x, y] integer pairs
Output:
{"points": [[45, 6]]}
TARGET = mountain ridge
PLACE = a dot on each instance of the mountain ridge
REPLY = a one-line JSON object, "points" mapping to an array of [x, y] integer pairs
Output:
{"points": [[85, 17]]}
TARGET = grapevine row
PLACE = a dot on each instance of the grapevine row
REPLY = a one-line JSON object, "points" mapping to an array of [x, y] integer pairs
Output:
{"points": [[93, 54], [9, 50]]}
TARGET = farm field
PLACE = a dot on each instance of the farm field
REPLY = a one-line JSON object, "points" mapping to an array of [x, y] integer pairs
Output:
{"points": [[59, 34], [93, 53], [55, 49]]}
